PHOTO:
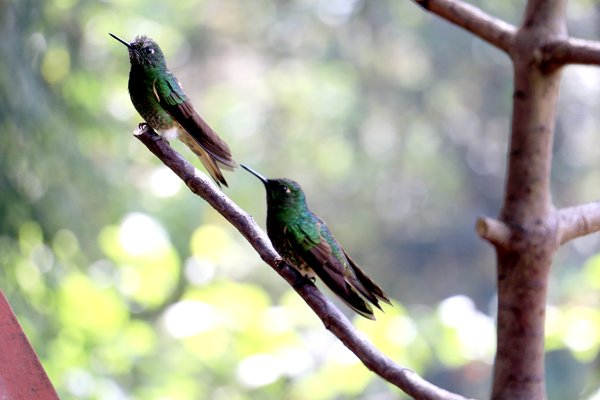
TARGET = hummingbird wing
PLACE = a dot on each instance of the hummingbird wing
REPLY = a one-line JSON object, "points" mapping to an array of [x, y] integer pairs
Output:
{"points": [[171, 97], [315, 250]]}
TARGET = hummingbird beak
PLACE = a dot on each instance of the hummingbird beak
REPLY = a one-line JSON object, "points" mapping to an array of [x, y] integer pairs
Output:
{"points": [[120, 40], [256, 174]]}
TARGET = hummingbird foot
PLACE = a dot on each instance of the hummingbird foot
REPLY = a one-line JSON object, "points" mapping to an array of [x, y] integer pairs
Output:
{"points": [[141, 129], [278, 262], [145, 128], [300, 279]]}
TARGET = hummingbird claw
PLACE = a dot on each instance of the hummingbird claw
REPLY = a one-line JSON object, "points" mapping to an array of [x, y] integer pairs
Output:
{"points": [[142, 128], [278, 262]]}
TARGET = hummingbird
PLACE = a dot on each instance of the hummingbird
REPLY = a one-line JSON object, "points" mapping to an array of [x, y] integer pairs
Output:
{"points": [[159, 98], [306, 243]]}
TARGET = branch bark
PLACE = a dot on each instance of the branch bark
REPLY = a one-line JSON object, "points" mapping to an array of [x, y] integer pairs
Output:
{"points": [[578, 221], [333, 319], [493, 30], [572, 51]]}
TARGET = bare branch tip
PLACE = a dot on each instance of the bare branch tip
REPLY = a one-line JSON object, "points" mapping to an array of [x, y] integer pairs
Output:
{"points": [[494, 231]]}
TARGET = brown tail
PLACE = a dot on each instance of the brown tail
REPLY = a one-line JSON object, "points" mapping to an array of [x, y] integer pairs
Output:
{"points": [[210, 163], [345, 291], [199, 135], [366, 286]]}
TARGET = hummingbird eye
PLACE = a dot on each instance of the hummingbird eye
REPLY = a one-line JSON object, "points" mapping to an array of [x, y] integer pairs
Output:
{"points": [[149, 50]]}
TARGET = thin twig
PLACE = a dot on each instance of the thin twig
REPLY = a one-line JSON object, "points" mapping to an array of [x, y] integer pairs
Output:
{"points": [[333, 319], [581, 51], [494, 231], [491, 29], [578, 221]]}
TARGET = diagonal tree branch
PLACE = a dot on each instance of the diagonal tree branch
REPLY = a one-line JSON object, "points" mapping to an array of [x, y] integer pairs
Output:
{"points": [[578, 221], [491, 29], [333, 319]]}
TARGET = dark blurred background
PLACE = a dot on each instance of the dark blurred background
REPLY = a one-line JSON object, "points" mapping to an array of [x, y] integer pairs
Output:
{"points": [[394, 122]]}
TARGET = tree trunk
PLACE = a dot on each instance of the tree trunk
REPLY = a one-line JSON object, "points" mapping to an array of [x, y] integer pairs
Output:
{"points": [[524, 263]]}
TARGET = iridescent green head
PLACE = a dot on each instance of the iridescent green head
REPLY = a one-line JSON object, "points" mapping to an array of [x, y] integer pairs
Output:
{"points": [[281, 193], [144, 52]]}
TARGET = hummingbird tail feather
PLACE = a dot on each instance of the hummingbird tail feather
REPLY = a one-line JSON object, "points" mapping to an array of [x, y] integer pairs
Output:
{"points": [[213, 169], [226, 167], [345, 292], [206, 137], [355, 302], [366, 286], [207, 160]]}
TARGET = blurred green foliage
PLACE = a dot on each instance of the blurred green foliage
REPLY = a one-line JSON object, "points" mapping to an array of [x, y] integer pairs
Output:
{"points": [[394, 122]]}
